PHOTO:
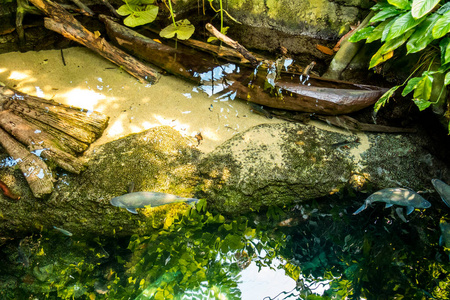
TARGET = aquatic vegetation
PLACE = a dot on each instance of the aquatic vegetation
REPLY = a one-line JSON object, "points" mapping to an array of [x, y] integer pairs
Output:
{"points": [[201, 254], [421, 25]]}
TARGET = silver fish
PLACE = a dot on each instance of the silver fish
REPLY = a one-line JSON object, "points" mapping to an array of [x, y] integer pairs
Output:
{"points": [[443, 189], [131, 201], [63, 231], [397, 196]]}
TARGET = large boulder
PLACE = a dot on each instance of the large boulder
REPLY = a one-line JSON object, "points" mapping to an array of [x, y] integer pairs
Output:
{"points": [[281, 164]]}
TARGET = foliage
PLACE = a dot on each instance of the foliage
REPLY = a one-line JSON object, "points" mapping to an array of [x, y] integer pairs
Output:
{"points": [[420, 25], [221, 10], [138, 12], [141, 12], [201, 254]]}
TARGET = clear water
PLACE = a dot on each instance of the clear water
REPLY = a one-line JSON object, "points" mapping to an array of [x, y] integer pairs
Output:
{"points": [[314, 251]]}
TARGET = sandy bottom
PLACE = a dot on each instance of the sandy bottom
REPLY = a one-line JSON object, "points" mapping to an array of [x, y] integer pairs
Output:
{"points": [[91, 82]]}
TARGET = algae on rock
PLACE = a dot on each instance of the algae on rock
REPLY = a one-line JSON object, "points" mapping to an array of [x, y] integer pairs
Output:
{"points": [[159, 159], [277, 164]]}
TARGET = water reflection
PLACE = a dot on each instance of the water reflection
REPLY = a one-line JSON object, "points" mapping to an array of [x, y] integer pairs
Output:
{"points": [[313, 251]]}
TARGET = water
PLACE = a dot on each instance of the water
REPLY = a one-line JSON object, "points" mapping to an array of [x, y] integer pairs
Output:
{"points": [[314, 251], [317, 250]]}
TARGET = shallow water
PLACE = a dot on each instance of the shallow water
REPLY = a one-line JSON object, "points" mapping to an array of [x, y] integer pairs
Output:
{"points": [[93, 83], [316, 251]]}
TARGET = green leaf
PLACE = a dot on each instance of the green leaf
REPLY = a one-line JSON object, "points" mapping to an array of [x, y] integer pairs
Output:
{"points": [[183, 29], [411, 85], [384, 14], [361, 34], [393, 44], [402, 25], [422, 104], [443, 9], [424, 87], [387, 28], [142, 17], [385, 98], [125, 10], [442, 26], [401, 4], [379, 58], [422, 7], [445, 50], [377, 32], [422, 36], [447, 78]]}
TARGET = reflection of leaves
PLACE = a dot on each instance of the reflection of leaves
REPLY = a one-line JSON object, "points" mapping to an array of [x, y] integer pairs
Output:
{"points": [[183, 29]]}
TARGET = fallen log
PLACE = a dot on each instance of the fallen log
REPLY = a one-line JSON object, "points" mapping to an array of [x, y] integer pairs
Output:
{"points": [[54, 131], [64, 23], [36, 172], [263, 85]]}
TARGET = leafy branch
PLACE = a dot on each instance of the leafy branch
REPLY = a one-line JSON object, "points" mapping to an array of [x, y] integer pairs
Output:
{"points": [[420, 25]]}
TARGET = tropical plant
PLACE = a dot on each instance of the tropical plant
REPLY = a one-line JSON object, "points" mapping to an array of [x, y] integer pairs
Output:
{"points": [[141, 12], [421, 25]]}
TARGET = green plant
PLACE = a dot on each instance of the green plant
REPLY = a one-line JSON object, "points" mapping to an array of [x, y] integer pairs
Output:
{"points": [[183, 28], [141, 12], [138, 12], [421, 25], [221, 10]]}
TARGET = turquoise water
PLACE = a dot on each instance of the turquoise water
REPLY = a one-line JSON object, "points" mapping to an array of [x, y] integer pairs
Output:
{"points": [[317, 250]]}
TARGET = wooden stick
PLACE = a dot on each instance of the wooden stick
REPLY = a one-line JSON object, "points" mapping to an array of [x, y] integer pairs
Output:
{"points": [[36, 172], [233, 44], [64, 23], [36, 139]]}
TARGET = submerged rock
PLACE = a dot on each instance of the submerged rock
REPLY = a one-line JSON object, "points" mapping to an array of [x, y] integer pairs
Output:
{"points": [[274, 165], [281, 164]]}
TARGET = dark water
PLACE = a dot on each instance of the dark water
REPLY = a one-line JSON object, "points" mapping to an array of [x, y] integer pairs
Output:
{"points": [[316, 250]]}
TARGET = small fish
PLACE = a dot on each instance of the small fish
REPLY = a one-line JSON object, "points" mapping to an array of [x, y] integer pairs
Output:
{"points": [[444, 240], [397, 196], [63, 231], [443, 189], [131, 201]]}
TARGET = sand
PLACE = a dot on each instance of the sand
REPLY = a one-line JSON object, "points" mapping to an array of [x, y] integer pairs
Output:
{"points": [[91, 82]]}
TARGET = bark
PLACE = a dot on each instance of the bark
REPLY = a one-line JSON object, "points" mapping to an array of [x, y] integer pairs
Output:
{"points": [[53, 131], [264, 85], [36, 172], [64, 23]]}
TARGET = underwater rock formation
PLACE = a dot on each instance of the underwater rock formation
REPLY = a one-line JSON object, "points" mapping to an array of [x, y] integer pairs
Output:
{"points": [[270, 164]]}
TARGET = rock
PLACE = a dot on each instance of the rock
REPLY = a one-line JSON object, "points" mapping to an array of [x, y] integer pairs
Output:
{"points": [[270, 164], [274, 165], [285, 163], [159, 159]]}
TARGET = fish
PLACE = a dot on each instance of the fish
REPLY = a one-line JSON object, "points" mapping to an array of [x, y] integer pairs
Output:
{"points": [[131, 201], [443, 189], [63, 231], [397, 196], [444, 240]]}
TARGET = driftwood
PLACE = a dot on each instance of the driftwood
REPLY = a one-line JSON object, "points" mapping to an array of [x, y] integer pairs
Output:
{"points": [[33, 128], [263, 86], [235, 45], [64, 23]]}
